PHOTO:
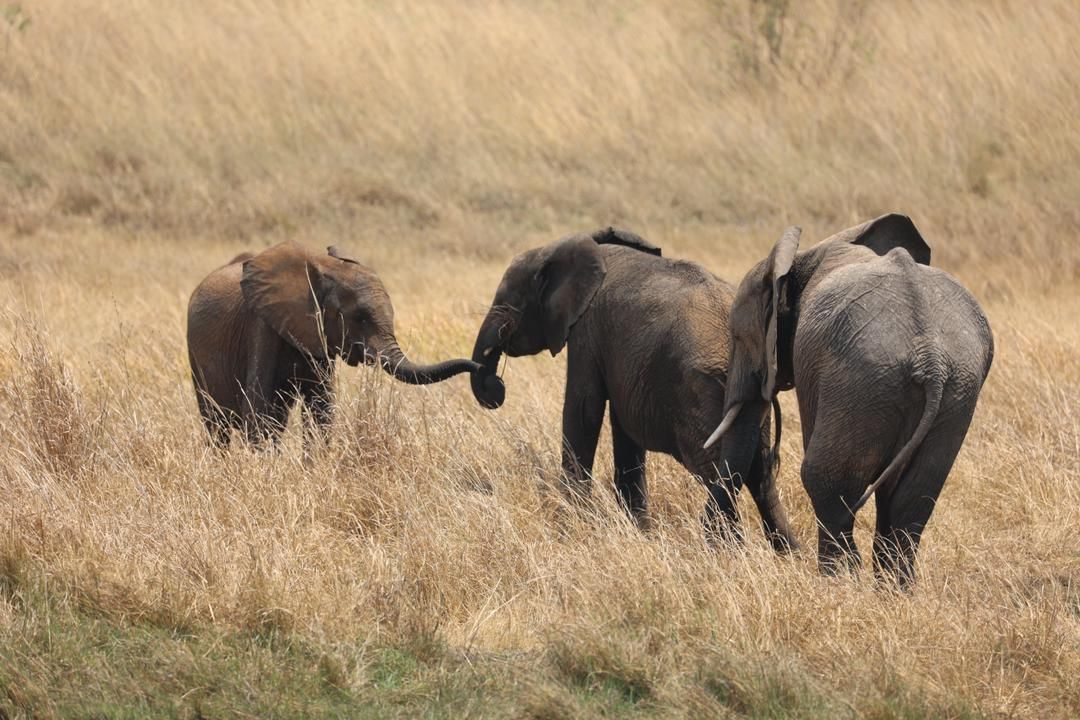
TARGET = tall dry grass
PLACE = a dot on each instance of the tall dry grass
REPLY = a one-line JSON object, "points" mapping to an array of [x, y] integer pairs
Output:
{"points": [[142, 144]]}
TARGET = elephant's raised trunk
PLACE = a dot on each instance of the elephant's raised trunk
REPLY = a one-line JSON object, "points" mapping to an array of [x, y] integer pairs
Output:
{"points": [[394, 362], [487, 387]]}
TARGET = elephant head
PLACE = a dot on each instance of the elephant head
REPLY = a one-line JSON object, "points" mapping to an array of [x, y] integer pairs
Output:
{"points": [[329, 306], [541, 295], [764, 319]]}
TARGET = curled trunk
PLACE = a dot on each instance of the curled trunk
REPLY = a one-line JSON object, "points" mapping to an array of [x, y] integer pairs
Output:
{"points": [[487, 387]]}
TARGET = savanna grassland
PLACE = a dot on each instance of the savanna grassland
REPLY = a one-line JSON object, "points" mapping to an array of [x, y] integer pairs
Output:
{"points": [[423, 564]]}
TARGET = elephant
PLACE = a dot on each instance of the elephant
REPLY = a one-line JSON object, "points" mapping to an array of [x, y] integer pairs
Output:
{"points": [[264, 331], [887, 357], [646, 336]]}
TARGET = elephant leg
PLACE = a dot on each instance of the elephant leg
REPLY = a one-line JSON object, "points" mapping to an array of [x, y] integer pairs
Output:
{"points": [[214, 420], [583, 416], [762, 485], [217, 428], [836, 542], [319, 405], [721, 518], [266, 407], [318, 410], [268, 425], [832, 492], [884, 549], [912, 500], [629, 473]]}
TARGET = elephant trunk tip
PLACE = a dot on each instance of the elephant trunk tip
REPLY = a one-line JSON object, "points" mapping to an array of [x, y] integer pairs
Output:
{"points": [[488, 388], [492, 391]]}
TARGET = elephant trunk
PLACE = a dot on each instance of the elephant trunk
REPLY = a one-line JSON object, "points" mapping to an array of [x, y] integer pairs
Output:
{"points": [[739, 432], [739, 445], [394, 362], [487, 387]]}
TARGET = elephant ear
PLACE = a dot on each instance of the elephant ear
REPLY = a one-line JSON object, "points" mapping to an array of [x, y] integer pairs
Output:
{"points": [[611, 236], [887, 232], [333, 252], [777, 267], [282, 285], [566, 284]]}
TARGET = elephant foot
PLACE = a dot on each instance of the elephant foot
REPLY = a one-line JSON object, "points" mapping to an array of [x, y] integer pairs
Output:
{"points": [[834, 561], [643, 521], [784, 544]]}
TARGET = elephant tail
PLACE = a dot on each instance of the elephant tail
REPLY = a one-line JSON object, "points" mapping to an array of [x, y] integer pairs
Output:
{"points": [[930, 372]]}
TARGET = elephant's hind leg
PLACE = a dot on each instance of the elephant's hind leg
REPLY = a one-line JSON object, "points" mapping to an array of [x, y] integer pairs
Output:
{"points": [[721, 518], [912, 501], [629, 474], [215, 419], [884, 547], [832, 492]]}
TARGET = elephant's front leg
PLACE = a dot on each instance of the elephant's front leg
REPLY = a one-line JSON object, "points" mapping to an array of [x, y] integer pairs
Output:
{"points": [[583, 416], [264, 410], [629, 473], [319, 405], [318, 400]]}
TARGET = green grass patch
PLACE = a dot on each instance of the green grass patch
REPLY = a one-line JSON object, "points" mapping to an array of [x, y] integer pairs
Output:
{"points": [[59, 659], [61, 656]]}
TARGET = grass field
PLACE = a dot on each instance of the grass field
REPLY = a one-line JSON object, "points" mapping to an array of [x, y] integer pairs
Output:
{"points": [[422, 564]]}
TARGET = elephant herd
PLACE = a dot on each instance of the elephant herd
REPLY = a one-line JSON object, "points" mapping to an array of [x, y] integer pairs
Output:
{"points": [[887, 356]]}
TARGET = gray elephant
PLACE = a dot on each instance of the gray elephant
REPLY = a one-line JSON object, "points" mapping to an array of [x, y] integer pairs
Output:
{"points": [[647, 337], [887, 357], [264, 331]]}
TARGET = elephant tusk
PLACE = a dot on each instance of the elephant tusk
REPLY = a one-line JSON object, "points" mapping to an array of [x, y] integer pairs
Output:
{"points": [[724, 426], [487, 352]]}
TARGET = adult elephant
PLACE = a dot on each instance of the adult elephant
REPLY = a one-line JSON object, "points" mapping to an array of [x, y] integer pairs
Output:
{"points": [[264, 331], [887, 357], [646, 335]]}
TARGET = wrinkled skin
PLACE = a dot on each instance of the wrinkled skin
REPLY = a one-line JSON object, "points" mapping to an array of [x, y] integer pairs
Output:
{"points": [[647, 340], [264, 331], [887, 357]]}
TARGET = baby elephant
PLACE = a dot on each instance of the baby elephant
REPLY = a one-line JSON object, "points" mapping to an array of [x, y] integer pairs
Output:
{"points": [[264, 330], [887, 357], [647, 339]]}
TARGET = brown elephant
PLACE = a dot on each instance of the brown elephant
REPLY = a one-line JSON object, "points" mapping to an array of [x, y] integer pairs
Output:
{"points": [[647, 337], [264, 331], [887, 357]]}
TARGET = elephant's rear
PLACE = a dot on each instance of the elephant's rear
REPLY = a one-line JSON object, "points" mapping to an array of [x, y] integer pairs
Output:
{"points": [[665, 374], [962, 333], [214, 333]]}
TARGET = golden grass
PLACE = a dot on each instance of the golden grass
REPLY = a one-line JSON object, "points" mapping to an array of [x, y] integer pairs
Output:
{"points": [[142, 144]]}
